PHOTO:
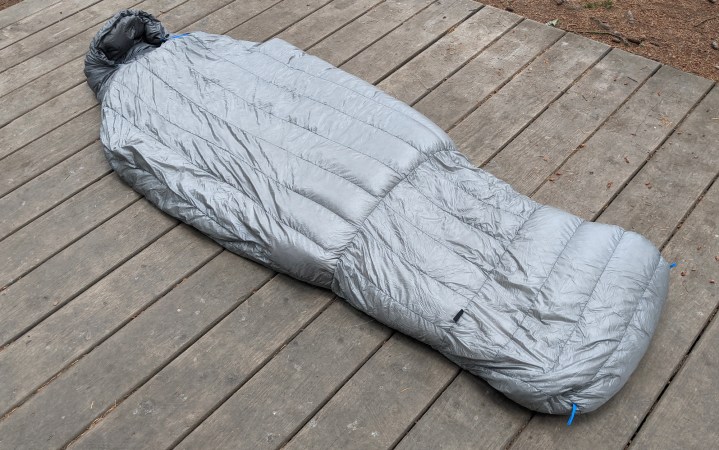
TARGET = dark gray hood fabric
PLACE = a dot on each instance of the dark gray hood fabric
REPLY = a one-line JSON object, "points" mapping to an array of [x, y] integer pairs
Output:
{"points": [[286, 160]]}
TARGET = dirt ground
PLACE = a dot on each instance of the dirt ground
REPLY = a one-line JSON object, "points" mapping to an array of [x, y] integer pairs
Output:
{"points": [[5, 3], [679, 33]]}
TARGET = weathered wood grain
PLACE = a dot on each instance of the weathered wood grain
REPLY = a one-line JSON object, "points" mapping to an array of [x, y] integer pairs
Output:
{"points": [[193, 11], [51, 149], [65, 407], [40, 90], [70, 272], [87, 320], [486, 130], [225, 15], [45, 118], [380, 401], [326, 21], [489, 71], [570, 120], [621, 146], [282, 15], [213, 368], [33, 244], [469, 414], [673, 179], [53, 57], [51, 188], [691, 301], [687, 414], [22, 10], [40, 20], [307, 370], [366, 29], [409, 39], [452, 51], [60, 31]]}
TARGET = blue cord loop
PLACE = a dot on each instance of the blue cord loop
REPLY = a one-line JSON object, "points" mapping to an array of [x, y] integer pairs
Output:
{"points": [[177, 36], [672, 265], [571, 416]]}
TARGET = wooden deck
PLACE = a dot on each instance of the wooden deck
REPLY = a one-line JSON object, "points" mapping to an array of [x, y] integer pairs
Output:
{"points": [[120, 328]]}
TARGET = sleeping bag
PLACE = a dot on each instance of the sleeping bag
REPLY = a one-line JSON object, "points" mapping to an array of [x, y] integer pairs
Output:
{"points": [[284, 159]]}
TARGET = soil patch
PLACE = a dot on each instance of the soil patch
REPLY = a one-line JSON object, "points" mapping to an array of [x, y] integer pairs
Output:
{"points": [[680, 33]]}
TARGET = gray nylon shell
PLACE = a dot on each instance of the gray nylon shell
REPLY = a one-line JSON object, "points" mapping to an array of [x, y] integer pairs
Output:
{"points": [[284, 159]]}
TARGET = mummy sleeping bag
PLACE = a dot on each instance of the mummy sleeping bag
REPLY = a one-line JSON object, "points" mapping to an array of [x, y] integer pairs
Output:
{"points": [[284, 159]]}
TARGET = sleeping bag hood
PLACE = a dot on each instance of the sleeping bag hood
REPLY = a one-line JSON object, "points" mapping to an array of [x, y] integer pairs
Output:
{"points": [[284, 159]]}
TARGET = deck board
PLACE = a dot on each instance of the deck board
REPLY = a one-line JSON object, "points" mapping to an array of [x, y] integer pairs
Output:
{"points": [[485, 130], [690, 302], [133, 356], [199, 380]]}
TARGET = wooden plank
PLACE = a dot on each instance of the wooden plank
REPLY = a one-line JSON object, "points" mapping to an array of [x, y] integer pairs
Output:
{"points": [[380, 401], [52, 148], [306, 371], [53, 57], [687, 414], [460, 45], [33, 244], [40, 90], [469, 414], [492, 69], [487, 129], [76, 328], [409, 39], [673, 179], [45, 118], [60, 31], [223, 19], [51, 188], [570, 120], [325, 21], [23, 9], [41, 19], [615, 153], [50, 286], [64, 408], [190, 12], [690, 302], [365, 30], [214, 367], [281, 16]]}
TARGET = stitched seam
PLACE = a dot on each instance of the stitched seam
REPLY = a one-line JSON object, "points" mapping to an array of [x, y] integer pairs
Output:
{"points": [[257, 107], [381, 200], [458, 217], [509, 244], [398, 303], [472, 195], [403, 217], [259, 50], [236, 127], [207, 170], [584, 307], [303, 95], [631, 319], [417, 268], [235, 189], [556, 261]]}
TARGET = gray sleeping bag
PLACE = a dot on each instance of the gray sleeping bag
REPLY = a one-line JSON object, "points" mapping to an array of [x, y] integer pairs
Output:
{"points": [[284, 159]]}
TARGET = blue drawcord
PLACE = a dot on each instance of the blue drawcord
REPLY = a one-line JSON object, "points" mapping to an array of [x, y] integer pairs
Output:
{"points": [[672, 265], [571, 416], [179, 35]]}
